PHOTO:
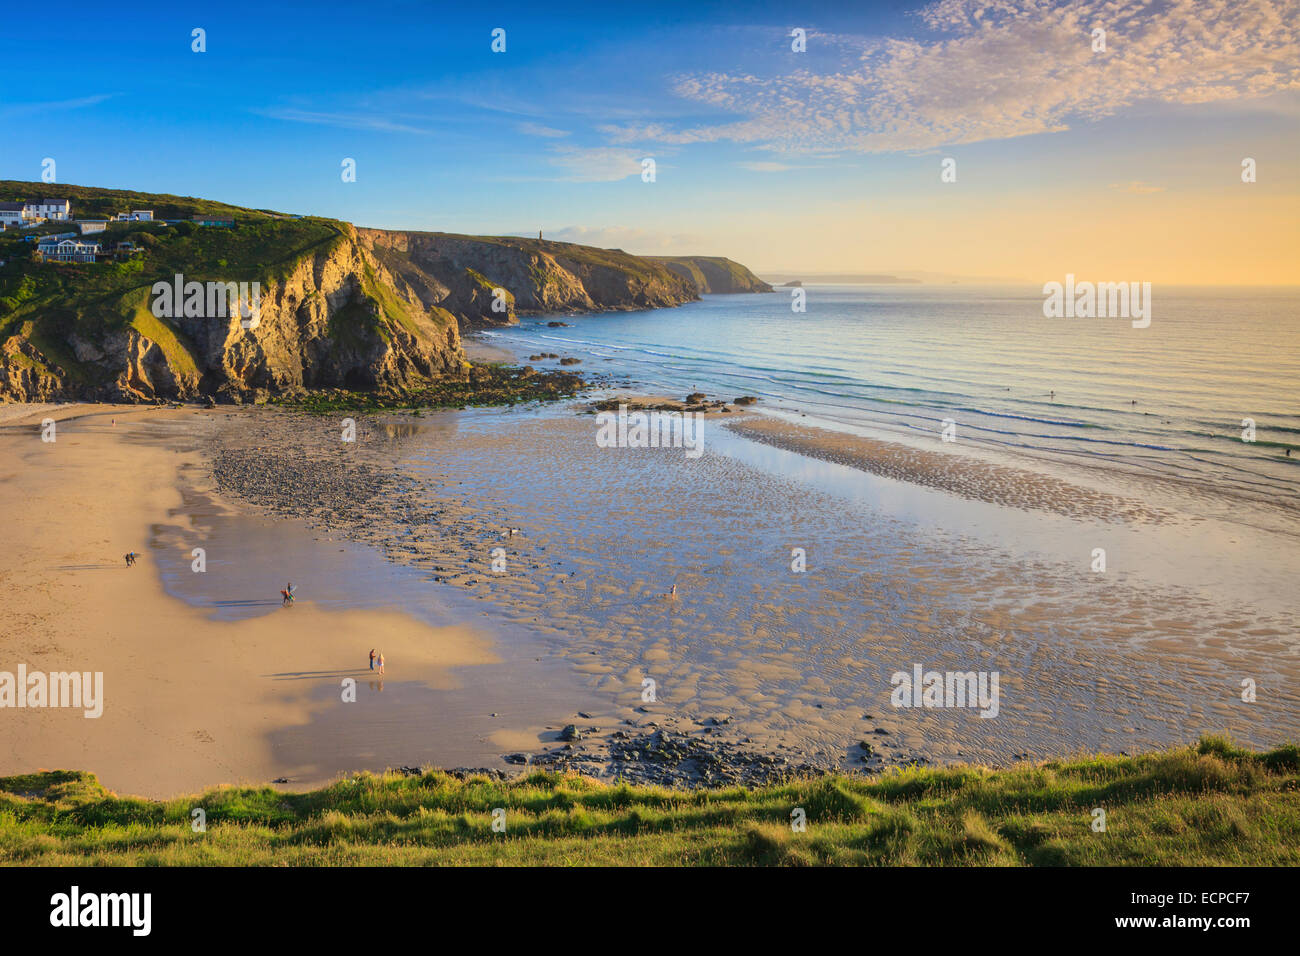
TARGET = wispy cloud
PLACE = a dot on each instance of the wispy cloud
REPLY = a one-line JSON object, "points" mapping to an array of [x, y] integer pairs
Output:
{"points": [[547, 132], [26, 109], [997, 69], [366, 121], [596, 163]]}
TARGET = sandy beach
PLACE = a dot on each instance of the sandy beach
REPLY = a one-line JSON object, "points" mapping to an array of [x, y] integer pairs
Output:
{"points": [[391, 540], [188, 700]]}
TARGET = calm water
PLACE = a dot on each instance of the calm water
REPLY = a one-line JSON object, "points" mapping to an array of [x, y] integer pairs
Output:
{"points": [[898, 360]]}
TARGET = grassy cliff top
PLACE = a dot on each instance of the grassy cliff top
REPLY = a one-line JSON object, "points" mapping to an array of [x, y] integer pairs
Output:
{"points": [[49, 302], [1212, 804], [260, 246], [642, 266], [92, 202]]}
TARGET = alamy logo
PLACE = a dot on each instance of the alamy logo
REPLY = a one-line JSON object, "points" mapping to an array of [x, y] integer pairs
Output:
{"points": [[1098, 300], [134, 910], [208, 300], [922, 688], [55, 689], [651, 430]]}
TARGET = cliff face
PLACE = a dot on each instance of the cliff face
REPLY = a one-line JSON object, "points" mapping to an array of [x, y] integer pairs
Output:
{"points": [[339, 307], [338, 318], [714, 274], [462, 274]]}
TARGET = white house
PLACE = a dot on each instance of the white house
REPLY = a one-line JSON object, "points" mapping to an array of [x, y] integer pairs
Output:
{"points": [[48, 209], [142, 215], [11, 213], [68, 250]]}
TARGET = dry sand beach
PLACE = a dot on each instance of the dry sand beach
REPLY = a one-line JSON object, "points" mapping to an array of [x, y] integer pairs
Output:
{"points": [[757, 669], [189, 701]]}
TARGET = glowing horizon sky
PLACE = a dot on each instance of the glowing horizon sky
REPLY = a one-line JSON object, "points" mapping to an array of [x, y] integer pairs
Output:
{"points": [[1115, 165]]}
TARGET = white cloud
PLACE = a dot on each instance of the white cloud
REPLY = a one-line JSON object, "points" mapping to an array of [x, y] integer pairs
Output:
{"points": [[998, 69]]}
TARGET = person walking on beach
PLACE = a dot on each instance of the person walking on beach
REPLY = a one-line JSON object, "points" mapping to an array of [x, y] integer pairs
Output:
{"points": [[130, 559], [372, 658], [287, 594], [380, 661]]}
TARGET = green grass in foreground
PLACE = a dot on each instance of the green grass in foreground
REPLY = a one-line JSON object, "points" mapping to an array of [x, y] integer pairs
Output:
{"points": [[1207, 805]]}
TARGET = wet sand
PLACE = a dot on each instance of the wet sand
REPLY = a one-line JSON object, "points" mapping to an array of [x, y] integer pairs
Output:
{"points": [[482, 351], [796, 660], [950, 471], [397, 532]]}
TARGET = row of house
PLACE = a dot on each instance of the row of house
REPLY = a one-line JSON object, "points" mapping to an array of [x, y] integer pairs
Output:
{"points": [[60, 210], [26, 214], [32, 213]]}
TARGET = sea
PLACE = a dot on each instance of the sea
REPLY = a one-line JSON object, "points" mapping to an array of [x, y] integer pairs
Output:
{"points": [[1208, 393]]}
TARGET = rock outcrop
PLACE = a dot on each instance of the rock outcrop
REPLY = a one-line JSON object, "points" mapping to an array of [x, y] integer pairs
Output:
{"points": [[463, 273], [714, 275]]}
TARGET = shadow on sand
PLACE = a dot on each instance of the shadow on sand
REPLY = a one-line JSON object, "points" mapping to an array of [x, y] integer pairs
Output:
{"points": [[320, 675]]}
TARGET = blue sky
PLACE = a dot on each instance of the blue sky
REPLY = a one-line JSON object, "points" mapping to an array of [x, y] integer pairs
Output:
{"points": [[822, 159]]}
